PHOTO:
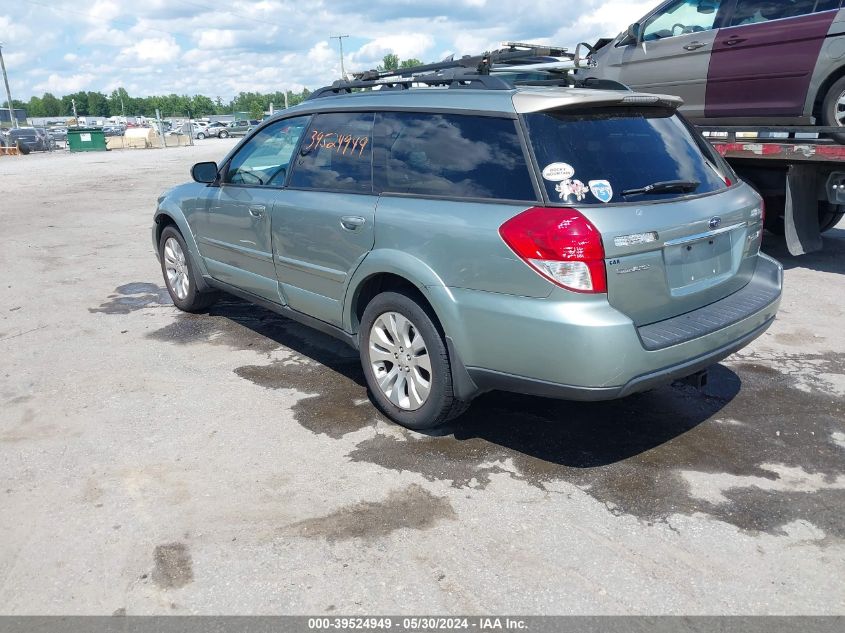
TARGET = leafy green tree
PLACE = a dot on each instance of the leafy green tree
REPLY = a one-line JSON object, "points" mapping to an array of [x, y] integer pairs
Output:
{"points": [[35, 107], [409, 63], [390, 62], [256, 109], [51, 105]]}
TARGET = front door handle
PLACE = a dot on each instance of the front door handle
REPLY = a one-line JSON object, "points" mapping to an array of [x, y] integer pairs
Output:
{"points": [[694, 46], [352, 222], [734, 41], [257, 210]]}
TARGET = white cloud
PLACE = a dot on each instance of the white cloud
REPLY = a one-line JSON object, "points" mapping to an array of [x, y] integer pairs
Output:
{"points": [[217, 38], [157, 50], [405, 45], [103, 10], [70, 57], [63, 84]]}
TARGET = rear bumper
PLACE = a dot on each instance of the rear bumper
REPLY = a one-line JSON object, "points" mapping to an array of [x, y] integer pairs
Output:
{"points": [[488, 380], [584, 349]]}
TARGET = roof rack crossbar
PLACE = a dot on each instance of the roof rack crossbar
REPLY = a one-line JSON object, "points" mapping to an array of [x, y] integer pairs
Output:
{"points": [[478, 66], [467, 80]]}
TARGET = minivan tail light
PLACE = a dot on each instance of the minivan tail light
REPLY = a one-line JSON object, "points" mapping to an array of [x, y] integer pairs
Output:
{"points": [[560, 244]]}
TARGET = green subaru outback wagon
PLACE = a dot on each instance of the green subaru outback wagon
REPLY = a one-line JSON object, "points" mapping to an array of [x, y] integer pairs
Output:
{"points": [[558, 241]]}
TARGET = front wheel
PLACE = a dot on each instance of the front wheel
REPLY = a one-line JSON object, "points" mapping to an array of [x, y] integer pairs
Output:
{"points": [[224, 134], [200, 136], [406, 363], [180, 274], [833, 109]]}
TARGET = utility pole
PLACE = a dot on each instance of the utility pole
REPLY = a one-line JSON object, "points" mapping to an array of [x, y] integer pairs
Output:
{"points": [[12, 118], [339, 39], [75, 117]]}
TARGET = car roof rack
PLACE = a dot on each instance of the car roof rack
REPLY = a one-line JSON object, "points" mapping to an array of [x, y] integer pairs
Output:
{"points": [[470, 71]]}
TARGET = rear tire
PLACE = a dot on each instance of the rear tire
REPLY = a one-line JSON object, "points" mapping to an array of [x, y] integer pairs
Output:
{"points": [[200, 136], [180, 273], [829, 215], [223, 134], [406, 363], [833, 109]]}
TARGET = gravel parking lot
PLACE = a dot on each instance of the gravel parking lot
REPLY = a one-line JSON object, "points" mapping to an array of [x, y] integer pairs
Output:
{"points": [[158, 462]]}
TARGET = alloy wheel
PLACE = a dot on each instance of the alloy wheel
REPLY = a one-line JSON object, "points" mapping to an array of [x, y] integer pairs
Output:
{"points": [[176, 267], [400, 362]]}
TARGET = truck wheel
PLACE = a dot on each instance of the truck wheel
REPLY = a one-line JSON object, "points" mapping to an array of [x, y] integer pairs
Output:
{"points": [[406, 363], [180, 273], [829, 215], [833, 109]]}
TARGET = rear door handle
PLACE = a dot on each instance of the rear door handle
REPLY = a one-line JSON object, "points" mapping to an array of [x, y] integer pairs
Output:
{"points": [[257, 210], [694, 46], [734, 41], [352, 222]]}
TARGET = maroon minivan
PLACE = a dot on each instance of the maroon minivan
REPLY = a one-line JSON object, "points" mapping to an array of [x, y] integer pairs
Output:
{"points": [[762, 62]]}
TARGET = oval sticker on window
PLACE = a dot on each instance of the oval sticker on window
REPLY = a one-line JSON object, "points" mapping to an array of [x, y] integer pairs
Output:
{"points": [[557, 172]]}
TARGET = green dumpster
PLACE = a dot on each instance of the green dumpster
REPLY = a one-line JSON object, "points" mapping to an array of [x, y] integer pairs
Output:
{"points": [[86, 139]]}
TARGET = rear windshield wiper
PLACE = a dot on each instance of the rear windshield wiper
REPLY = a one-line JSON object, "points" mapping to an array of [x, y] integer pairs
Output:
{"points": [[669, 186]]}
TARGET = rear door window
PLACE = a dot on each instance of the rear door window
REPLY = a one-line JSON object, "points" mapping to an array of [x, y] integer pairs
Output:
{"points": [[451, 155], [336, 154], [593, 156]]}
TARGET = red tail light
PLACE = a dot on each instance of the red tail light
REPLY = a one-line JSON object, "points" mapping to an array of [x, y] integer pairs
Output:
{"points": [[560, 244]]}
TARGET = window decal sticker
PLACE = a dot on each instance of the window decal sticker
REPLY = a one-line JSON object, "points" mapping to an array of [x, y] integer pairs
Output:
{"points": [[569, 189], [602, 190], [558, 172]]}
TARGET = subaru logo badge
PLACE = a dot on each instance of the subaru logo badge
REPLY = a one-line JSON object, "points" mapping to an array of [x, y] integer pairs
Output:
{"points": [[715, 223]]}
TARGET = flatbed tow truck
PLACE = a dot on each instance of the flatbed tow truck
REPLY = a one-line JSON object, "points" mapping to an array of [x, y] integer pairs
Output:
{"points": [[802, 180]]}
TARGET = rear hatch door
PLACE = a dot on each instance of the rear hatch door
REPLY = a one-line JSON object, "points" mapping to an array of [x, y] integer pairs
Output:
{"points": [[676, 234]]}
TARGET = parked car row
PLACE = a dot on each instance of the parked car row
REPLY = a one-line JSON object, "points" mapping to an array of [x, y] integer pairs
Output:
{"points": [[28, 139]]}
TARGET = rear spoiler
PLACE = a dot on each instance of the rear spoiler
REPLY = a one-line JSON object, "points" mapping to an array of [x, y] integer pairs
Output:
{"points": [[526, 101]]}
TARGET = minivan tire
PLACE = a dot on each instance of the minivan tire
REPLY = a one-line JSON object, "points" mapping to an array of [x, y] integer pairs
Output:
{"points": [[830, 108], [441, 405], [193, 300]]}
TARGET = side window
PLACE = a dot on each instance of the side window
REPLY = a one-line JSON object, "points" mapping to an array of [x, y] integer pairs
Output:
{"points": [[337, 153], [453, 155], [682, 18], [264, 159], [756, 11], [827, 5]]}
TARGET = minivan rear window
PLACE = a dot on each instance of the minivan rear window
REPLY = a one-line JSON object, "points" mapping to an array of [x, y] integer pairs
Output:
{"points": [[593, 156]]}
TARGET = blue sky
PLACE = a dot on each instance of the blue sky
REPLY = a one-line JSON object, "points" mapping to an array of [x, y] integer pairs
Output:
{"points": [[222, 48]]}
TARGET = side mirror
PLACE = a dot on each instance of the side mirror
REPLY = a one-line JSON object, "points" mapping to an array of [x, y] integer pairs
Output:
{"points": [[204, 172], [634, 33]]}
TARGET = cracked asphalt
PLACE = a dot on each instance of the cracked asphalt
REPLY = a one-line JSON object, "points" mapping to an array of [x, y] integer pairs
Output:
{"points": [[157, 462]]}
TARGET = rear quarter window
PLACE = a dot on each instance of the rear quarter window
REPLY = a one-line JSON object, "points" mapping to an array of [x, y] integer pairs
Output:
{"points": [[451, 155], [593, 156]]}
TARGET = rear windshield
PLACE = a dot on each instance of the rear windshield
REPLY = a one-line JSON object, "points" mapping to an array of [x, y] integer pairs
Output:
{"points": [[594, 156]]}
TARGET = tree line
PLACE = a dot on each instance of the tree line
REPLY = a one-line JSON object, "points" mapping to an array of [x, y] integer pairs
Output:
{"points": [[119, 102]]}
